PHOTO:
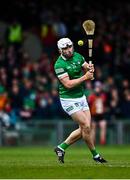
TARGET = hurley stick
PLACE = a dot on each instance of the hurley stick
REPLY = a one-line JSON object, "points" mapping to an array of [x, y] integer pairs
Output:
{"points": [[89, 27]]}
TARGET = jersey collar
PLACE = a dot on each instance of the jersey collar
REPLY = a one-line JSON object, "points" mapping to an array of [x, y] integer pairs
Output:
{"points": [[63, 57]]}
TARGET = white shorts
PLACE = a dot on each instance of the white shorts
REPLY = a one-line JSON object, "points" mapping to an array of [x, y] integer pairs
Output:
{"points": [[71, 106]]}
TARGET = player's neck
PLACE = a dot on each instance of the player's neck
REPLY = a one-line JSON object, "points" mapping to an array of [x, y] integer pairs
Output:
{"points": [[63, 57], [66, 59]]}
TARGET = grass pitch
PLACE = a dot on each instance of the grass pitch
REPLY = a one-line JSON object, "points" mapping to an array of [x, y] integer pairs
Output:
{"points": [[41, 163]]}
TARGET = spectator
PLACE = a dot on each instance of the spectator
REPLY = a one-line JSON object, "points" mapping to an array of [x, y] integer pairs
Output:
{"points": [[97, 101], [4, 107], [16, 102], [48, 38], [114, 103], [125, 105]]}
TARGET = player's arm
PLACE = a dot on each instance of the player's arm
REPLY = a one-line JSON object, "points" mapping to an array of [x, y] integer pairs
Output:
{"points": [[70, 83], [86, 66], [63, 76]]}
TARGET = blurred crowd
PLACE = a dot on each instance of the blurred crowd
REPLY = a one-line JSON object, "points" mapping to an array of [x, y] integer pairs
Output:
{"points": [[28, 36]]}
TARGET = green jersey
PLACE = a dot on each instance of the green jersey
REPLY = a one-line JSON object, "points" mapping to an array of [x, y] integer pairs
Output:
{"points": [[73, 68]]}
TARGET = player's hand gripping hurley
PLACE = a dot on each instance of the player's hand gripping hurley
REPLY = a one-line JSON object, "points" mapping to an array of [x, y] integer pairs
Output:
{"points": [[89, 27]]}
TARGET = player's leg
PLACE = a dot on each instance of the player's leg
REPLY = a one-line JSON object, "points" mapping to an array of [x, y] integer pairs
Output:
{"points": [[73, 107], [93, 130], [83, 118], [103, 126], [69, 106], [73, 137]]}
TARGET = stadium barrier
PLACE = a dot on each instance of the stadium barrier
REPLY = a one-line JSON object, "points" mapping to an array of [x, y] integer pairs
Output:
{"points": [[51, 132]]}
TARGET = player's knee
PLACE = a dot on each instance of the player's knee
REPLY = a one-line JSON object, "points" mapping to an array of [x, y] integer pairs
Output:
{"points": [[86, 129]]}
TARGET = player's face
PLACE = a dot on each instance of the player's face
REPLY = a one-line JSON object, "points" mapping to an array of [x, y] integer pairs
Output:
{"points": [[68, 51]]}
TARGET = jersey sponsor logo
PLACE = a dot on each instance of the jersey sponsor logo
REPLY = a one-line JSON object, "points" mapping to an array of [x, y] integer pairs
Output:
{"points": [[70, 108], [76, 104], [69, 67], [60, 70], [78, 62]]}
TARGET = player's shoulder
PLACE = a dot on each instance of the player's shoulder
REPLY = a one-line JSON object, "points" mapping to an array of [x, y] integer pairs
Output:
{"points": [[59, 62], [79, 56]]}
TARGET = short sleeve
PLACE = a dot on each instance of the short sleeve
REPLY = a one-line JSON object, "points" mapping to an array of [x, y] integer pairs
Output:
{"points": [[60, 71], [83, 60]]}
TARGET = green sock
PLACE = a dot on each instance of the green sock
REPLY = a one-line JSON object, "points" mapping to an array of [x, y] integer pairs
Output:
{"points": [[63, 146], [94, 152]]}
